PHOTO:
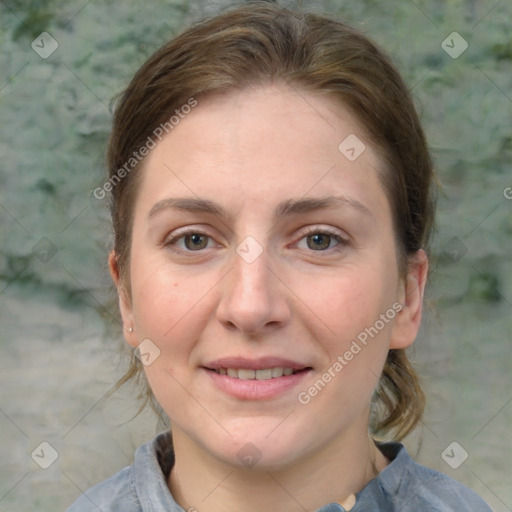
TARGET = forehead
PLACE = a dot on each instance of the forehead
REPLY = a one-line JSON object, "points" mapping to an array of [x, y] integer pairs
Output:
{"points": [[264, 145]]}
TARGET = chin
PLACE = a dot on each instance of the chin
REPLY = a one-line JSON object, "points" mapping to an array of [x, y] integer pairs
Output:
{"points": [[261, 449]]}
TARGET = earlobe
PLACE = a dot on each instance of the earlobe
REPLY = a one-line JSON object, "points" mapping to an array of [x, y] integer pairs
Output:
{"points": [[125, 306], [407, 322]]}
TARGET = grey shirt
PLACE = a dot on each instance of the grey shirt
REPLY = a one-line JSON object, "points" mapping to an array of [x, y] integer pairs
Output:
{"points": [[403, 486]]}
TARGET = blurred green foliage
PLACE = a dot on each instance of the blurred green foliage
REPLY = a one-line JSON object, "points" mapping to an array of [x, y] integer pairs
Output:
{"points": [[56, 112]]}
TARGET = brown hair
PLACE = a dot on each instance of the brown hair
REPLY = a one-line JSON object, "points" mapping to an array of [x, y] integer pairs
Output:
{"points": [[262, 43]]}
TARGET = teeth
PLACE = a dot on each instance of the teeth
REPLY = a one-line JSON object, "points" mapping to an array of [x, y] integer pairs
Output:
{"points": [[262, 374], [277, 372], [246, 374]]}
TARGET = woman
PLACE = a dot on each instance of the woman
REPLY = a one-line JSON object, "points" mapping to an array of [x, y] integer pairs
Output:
{"points": [[272, 201]]}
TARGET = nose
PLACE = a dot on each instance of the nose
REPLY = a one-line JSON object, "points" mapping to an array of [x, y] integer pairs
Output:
{"points": [[253, 298]]}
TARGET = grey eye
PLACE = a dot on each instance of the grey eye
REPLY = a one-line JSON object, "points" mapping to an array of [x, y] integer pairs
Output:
{"points": [[195, 241]]}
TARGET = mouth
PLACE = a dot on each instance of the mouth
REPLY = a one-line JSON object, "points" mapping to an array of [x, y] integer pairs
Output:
{"points": [[263, 374], [256, 379]]}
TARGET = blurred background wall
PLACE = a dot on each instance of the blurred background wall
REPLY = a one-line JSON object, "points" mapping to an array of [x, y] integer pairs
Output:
{"points": [[61, 64]]}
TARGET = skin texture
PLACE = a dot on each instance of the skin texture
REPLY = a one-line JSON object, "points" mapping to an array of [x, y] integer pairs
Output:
{"points": [[248, 151]]}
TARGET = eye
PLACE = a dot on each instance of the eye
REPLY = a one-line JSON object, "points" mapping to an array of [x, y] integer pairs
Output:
{"points": [[195, 241], [320, 240], [191, 241]]}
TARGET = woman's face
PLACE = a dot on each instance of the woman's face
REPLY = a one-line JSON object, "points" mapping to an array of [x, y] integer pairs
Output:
{"points": [[262, 245]]}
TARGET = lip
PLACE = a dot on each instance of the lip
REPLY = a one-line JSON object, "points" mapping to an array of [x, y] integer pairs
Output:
{"points": [[260, 363], [253, 389]]}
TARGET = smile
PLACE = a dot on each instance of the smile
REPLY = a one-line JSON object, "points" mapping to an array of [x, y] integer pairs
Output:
{"points": [[248, 374], [258, 384]]}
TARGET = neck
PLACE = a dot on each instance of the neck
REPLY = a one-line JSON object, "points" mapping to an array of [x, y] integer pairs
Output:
{"points": [[332, 475]]}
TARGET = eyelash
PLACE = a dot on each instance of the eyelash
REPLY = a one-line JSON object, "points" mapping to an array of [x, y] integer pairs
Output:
{"points": [[171, 240], [342, 242]]}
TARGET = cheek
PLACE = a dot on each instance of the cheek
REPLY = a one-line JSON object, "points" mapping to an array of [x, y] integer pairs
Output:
{"points": [[161, 296], [346, 309], [172, 306], [349, 301], [172, 309]]}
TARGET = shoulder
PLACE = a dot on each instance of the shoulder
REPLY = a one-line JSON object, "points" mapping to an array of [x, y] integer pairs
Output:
{"points": [[113, 495], [444, 494], [136, 488], [413, 487]]}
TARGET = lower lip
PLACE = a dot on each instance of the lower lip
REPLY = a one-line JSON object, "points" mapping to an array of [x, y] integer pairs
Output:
{"points": [[253, 389]]}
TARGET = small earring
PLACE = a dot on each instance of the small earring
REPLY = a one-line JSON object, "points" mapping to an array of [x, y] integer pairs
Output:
{"points": [[130, 329]]}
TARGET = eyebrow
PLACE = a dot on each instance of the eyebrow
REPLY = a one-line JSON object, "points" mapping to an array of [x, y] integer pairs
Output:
{"points": [[284, 209], [310, 204]]}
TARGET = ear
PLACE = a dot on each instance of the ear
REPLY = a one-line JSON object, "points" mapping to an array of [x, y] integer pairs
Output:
{"points": [[125, 304], [407, 322]]}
